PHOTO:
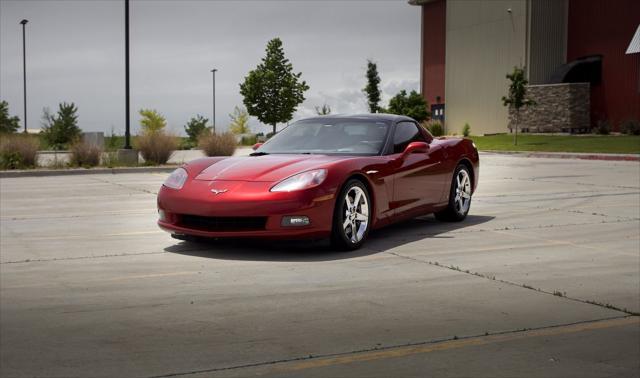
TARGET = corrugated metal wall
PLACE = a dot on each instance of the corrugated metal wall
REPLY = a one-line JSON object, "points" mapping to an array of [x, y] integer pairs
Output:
{"points": [[484, 42], [547, 38], [606, 27]]}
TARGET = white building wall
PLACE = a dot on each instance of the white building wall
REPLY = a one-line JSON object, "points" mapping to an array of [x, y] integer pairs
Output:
{"points": [[484, 41]]}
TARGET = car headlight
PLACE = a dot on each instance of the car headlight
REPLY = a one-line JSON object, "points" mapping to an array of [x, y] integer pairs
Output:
{"points": [[176, 179], [302, 180]]}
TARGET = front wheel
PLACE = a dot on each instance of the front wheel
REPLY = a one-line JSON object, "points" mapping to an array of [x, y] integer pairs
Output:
{"points": [[459, 196], [351, 217]]}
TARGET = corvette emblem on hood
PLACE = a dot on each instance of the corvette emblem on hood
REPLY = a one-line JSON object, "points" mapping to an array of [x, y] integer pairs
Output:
{"points": [[219, 191]]}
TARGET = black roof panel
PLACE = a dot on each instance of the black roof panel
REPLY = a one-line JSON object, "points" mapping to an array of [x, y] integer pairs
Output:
{"points": [[369, 116]]}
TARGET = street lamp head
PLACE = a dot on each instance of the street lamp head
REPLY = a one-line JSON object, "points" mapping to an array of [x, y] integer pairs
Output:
{"points": [[214, 70], [23, 22]]}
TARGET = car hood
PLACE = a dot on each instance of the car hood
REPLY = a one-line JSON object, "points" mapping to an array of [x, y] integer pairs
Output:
{"points": [[267, 168]]}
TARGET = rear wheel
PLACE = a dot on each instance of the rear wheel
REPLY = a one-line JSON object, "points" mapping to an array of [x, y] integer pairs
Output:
{"points": [[352, 216], [459, 196]]}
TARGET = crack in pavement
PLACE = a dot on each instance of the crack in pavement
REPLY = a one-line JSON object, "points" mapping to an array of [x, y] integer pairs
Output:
{"points": [[80, 215], [519, 196], [425, 234], [517, 228], [571, 183], [81, 257], [493, 278], [397, 346], [124, 186]]}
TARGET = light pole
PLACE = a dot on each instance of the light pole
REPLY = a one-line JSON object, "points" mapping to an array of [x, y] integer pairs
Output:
{"points": [[127, 155], [24, 71], [214, 99], [127, 133]]}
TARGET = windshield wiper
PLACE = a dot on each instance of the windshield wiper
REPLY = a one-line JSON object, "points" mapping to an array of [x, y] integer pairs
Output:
{"points": [[261, 153]]}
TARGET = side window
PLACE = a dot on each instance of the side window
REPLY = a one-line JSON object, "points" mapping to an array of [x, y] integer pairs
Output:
{"points": [[406, 132]]}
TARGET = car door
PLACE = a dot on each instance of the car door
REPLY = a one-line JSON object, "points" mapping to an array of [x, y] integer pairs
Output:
{"points": [[417, 176]]}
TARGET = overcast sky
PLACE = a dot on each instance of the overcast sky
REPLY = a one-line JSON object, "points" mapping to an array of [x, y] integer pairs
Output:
{"points": [[75, 53]]}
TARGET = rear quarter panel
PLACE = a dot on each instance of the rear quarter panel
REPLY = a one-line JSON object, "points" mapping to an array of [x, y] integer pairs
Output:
{"points": [[457, 150]]}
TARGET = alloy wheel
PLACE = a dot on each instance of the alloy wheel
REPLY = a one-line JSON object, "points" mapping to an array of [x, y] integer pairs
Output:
{"points": [[462, 198], [355, 214]]}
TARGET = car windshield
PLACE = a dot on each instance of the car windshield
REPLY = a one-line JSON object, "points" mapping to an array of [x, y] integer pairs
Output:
{"points": [[329, 136]]}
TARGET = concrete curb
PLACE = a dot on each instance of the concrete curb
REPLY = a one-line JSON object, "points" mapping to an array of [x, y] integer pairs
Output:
{"points": [[84, 171], [569, 155]]}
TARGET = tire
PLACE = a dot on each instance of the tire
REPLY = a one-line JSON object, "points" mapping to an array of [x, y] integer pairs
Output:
{"points": [[459, 196], [348, 217]]}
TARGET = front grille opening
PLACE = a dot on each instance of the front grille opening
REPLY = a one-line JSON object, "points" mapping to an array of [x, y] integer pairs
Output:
{"points": [[223, 223]]}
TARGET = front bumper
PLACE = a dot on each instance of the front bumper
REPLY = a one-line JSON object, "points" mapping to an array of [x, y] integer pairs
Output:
{"points": [[246, 200]]}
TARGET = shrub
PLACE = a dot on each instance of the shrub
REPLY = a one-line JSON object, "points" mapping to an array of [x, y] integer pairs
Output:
{"points": [[194, 128], [151, 121], [603, 127], [249, 140], [466, 130], [630, 127], [434, 127], [186, 143], [156, 147], [85, 155], [217, 144], [18, 151], [61, 129], [8, 124], [239, 121]]}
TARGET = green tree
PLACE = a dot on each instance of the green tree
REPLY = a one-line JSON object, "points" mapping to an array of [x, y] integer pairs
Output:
{"points": [[7, 124], [61, 129], [372, 90], [152, 121], [195, 127], [466, 130], [517, 97], [239, 121], [273, 91], [412, 105], [324, 110]]}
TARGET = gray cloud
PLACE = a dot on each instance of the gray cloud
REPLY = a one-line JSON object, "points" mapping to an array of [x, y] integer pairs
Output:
{"points": [[75, 52]]}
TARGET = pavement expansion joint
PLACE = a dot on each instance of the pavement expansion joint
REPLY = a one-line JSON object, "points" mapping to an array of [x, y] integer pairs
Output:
{"points": [[518, 197], [81, 257], [541, 226], [525, 286], [574, 183], [124, 186], [401, 350]]}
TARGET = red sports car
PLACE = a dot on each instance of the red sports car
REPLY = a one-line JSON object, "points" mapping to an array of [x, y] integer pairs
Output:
{"points": [[331, 176]]}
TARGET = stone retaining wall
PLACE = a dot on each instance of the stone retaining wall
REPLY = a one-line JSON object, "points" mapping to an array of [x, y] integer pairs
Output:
{"points": [[560, 108]]}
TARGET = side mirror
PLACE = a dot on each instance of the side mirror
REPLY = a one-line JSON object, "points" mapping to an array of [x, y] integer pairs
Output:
{"points": [[256, 146], [416, 148]]}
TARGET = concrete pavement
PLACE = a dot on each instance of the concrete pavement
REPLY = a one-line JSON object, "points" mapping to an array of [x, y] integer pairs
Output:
{"points": [[541, 280]]}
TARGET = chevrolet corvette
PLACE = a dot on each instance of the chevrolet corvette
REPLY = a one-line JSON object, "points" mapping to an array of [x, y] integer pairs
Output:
{"points": [[336, 177]]}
